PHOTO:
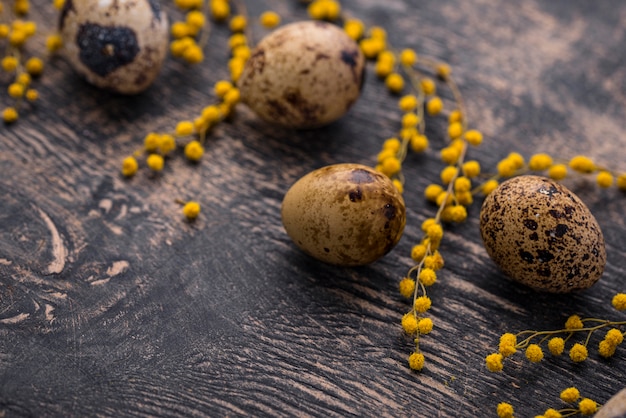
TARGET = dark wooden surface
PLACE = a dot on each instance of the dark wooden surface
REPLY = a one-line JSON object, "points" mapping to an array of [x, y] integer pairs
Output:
{"points": [[111, 304]]}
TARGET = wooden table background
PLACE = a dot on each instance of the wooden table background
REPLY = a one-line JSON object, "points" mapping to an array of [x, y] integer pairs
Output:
{"points": [[111, 304]]}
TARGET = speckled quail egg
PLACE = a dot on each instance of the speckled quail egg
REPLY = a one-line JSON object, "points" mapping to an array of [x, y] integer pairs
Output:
{"points": [[541, 234], [344, 214], [119, 45], [303, 75], [615, 407]]}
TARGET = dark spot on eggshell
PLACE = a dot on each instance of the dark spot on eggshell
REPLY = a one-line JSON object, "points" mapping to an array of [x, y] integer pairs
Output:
{"points": [[103, 49], [360, 176], [526, 256], [389, 211], [548, 190], [544, 256], [530, 224], [356, 195], [349, 57], [564, 252], [544, 272], [156, 8], [560, 230], [321, 56], [67, 7]]}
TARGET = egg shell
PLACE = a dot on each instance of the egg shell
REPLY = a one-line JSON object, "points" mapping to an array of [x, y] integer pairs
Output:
{"points": [[542, 235], [303, 75], [344, 214], [119, 45], [614, 407]]}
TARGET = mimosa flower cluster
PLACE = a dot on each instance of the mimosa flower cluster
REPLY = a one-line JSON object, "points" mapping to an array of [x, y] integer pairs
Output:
{"points": [[414, 81], [20, 66], [576, 405], [189, 38], [460, 179], [574, 337]]}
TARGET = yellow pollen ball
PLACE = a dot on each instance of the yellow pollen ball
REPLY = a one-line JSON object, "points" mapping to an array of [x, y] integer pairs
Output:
{"points": [[443, 71], [10, 115], [455, 129], [34, 66], [416, 361], [418, 252], [539, 162], [605, 179], [9, 63], [434, 106], [428, 86], [220, 9], [179, 30], [582, 164], [184, 128], [155, 162], [494, 362], [489, 186], [398, 185], [557, 172], [432, 191], [474, 137], [409, 323], [570, 395], [448, 174], [449, 155], [15, 90], [194, 151], [392, 144], [407, 287], [407, 103], [236, 40], [408, 57], [394, 82], [354, 28], [195, 19], [425, 325], [54, 42], [269, 19], [471, 168], [191, 210], [455, 116], [32, 95], [504, 410], [410, 120], [129, 166], [419, 143], [238, 23]]}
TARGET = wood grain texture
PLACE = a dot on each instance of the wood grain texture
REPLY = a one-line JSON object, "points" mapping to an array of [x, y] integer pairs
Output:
{"points": [[112, 305]]}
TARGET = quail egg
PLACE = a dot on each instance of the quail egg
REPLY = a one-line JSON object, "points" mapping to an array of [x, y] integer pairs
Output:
{"points": [[344, 214], [119, 45], [303, 75], [541, 234]]}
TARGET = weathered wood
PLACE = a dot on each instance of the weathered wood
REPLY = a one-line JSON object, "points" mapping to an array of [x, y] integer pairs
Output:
{"points": [[112, 304]]}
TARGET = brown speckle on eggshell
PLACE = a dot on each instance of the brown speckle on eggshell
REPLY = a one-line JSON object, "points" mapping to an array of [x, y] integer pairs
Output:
{"points": [[303, 75], [344, 214], [119, 45], [541, 234]]}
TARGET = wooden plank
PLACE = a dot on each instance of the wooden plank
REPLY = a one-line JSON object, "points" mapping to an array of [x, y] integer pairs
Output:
{"points": [[112, 304]]}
